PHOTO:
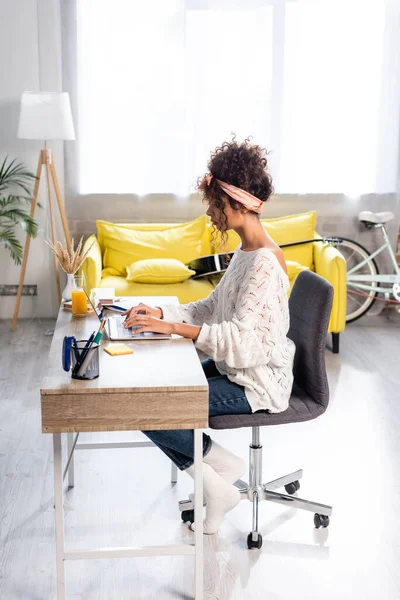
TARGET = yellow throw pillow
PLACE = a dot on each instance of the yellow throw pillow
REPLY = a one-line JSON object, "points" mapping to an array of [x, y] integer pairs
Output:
{"points": [[124, 245], [158, 270], [283, 230]]}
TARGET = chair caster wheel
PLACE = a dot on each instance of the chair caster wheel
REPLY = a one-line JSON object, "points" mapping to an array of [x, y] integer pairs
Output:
{"points": [[291, 488], [187, 516], [321, 520], [251, 544]]}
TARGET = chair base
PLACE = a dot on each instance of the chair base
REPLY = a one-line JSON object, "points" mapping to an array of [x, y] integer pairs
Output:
{"points": [[257, 492]]}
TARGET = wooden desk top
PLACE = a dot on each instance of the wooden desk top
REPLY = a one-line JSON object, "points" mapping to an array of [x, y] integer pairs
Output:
{"points": [[160, 386]]}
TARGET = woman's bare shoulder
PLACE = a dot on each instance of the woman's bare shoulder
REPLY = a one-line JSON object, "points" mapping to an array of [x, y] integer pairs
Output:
{"points": [[278, 253]]}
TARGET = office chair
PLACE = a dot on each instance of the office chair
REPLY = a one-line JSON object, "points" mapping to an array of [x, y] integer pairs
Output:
{"points": [[310, 306]]}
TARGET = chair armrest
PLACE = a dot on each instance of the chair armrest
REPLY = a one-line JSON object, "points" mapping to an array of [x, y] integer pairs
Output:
{"points": [[93, 264], [330, 264]]}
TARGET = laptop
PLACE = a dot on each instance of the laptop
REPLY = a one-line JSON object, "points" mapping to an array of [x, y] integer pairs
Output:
{"points": [[114, 327]]}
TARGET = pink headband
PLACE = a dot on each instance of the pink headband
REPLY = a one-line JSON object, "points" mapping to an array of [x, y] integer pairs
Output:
{"points": [[248, 200]]}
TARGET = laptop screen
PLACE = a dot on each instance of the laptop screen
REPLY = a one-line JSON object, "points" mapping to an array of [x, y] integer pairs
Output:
{"points": [[96, 304]]}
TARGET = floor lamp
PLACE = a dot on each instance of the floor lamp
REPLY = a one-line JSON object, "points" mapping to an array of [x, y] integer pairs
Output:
{"points": [[45, 116]]}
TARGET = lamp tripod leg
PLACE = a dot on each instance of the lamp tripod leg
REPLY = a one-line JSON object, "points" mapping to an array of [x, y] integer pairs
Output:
{"points": [[27, 242], [53, 226], [61, 207]]}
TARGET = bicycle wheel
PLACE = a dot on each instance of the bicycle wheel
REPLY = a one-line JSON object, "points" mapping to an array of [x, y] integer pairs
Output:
{"points": [[358, 301]]}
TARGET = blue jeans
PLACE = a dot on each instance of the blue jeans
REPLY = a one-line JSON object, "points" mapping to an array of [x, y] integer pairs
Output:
{"points": [[225, 398]]}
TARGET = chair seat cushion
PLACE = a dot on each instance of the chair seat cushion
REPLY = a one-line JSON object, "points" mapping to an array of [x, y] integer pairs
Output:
{"points": [[301, 408]]}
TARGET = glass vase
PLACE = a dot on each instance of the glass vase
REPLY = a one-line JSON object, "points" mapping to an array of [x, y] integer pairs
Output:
{"points": [[67, 291]]}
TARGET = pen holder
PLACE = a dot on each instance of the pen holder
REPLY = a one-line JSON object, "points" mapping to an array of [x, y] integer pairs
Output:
{"points": [[91, 362]]}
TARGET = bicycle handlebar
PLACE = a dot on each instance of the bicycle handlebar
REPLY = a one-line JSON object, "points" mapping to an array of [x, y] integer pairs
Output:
{"points": [[330, 240]]}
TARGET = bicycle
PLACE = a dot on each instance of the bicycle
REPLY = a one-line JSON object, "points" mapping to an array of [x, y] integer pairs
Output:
{"points": [[362, 268]]}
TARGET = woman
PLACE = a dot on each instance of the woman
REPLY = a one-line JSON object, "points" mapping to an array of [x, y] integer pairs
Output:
{"points": [[241, 326]]}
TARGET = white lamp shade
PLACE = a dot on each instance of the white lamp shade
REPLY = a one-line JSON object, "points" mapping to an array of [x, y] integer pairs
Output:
{"points": [[45, 116]]}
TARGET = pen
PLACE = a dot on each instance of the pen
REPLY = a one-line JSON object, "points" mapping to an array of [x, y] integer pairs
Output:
{"points": [[99, 334], [83, 354], [76, 350]]}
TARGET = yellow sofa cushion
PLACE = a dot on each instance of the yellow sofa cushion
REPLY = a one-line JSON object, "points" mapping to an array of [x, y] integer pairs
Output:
{"points": [[205, 240], [283, 230], [158, 270], [188, 291], [124, 245]]}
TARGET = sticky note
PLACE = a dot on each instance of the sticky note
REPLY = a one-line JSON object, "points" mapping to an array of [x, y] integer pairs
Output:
{"points": [[118, 349]]}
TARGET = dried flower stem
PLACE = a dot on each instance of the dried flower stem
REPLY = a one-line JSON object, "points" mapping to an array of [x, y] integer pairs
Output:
{"points": [[70, 260]]}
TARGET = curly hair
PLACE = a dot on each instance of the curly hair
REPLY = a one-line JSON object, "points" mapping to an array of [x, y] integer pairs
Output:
{"points": [[241, 164]]}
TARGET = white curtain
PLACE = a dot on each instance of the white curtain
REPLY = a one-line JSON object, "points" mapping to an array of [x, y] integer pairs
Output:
{"points": [[161, 83]]}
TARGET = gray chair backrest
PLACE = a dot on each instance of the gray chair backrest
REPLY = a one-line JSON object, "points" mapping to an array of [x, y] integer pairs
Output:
{"points": [[310, 306]]}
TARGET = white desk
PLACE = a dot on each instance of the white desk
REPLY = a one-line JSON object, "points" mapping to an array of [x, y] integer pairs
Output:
{"points": [[160, 386]]}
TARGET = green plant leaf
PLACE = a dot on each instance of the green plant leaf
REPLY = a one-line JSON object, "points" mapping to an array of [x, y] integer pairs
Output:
{"points": [[7, 237], [15, 175], [19, 199], [13, 199], [17, 215], [30, 226]]}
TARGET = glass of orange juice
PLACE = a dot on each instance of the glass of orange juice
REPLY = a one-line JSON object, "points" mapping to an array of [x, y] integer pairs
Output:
{"points": [[79, 299]]}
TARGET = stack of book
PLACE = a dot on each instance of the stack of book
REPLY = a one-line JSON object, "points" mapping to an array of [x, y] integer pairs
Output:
{"points": [[105, 295]]}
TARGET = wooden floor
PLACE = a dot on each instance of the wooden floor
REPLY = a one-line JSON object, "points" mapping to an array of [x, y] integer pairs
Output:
{"points": [[350, 457]]}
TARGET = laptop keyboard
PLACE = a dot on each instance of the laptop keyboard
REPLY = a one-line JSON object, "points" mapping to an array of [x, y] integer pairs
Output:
{"points": [[122, 331], [118, 331]]}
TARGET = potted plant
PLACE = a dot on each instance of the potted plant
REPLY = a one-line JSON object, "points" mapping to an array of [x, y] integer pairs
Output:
{"points": [[15, 190]]}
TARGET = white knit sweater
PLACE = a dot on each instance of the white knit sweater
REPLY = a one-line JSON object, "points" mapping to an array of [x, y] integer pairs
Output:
{"points": [[244, 322]]}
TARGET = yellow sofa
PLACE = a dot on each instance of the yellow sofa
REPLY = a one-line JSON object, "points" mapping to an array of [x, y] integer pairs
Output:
{"points": [[118, 246]]}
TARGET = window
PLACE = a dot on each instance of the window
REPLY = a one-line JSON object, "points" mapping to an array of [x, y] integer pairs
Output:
{"points": [[162, 83]]}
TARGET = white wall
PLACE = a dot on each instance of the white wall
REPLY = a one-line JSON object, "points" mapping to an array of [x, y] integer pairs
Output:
{"points": [[31, 60]]}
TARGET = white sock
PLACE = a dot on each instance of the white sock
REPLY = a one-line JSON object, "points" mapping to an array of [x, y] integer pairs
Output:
{"points": [[229, 466], [221, 497]]}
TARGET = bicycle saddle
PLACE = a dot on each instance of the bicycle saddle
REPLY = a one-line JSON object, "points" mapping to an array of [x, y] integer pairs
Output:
{"points": [[376, 218]]}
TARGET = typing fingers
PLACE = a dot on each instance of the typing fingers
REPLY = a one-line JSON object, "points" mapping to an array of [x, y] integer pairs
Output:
{"points": [[136, 319]]}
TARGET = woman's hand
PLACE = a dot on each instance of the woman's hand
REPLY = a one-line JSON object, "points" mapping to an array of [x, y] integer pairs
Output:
{"points": [[141, 309], [143, 323], [146, 318]]}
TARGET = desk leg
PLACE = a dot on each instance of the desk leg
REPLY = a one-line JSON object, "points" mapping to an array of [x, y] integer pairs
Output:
{"points": [[71, 468], [198, 511], [59, 506]]}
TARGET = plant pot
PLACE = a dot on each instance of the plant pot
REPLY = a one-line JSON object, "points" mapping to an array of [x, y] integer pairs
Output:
{"points": [[67, 291]]}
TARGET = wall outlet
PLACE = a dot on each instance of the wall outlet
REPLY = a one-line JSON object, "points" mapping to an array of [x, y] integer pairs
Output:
{"points": [[12, 290]]}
